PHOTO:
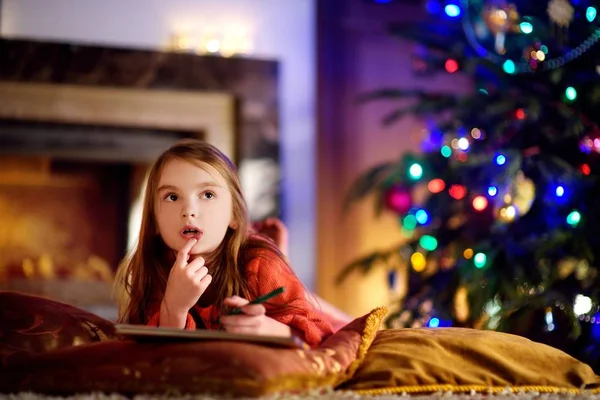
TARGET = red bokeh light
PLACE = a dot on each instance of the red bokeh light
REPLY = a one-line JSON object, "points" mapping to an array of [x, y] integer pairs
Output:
{"points": [[586, 169], [451, 66], [436, 185], [457, 191]]}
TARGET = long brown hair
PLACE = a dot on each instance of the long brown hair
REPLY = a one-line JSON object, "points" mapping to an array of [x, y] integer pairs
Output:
{"points": [[141, 279]]}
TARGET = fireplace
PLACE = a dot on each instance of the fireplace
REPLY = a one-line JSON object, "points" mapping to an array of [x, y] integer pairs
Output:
{"points": [[79, 127]]}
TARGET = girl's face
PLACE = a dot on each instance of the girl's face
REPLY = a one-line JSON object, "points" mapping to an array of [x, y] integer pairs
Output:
{"points": [[192, 201]]}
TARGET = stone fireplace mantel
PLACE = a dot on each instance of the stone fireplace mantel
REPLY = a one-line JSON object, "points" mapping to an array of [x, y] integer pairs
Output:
{"points": [[45, 79]]}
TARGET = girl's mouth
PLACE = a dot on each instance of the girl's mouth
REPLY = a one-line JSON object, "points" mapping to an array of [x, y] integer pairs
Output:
{"points": [[190, 232]]}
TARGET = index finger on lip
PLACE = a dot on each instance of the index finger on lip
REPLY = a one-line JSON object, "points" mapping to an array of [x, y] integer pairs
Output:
{"points": [[182, 254]]}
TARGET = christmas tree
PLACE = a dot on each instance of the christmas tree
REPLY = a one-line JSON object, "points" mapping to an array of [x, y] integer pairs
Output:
{"points": [[501, 208]]}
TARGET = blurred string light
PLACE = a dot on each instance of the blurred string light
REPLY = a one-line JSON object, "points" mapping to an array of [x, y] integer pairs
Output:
{"points": [[574, 218], [508, 213], [549, 319], [451, 66], [418, 261], [509, 67], [468, 254], [452, 10], [436, 185], [415, 171], [571, 93], [591, 13], [428, 242], [582, 305], [446, 151], [479, 260], [480, 203], [409, 222], [457, 192], [526, 27], [421, 216], [585, 169]]}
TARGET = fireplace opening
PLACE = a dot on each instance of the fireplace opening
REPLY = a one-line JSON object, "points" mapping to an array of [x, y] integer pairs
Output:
{"points": [[86, 142], [69, 202]]}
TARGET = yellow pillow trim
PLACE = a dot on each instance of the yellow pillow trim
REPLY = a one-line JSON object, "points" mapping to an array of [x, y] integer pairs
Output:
{"points": [[372, 325], [421, 389]]}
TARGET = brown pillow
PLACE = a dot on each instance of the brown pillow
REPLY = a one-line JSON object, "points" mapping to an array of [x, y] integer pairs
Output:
{"points": [[423, 360], [229, 368], [33, 324]]}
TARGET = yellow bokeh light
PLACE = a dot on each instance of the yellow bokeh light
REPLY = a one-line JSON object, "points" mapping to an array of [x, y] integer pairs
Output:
{"points": [[540, 55], [508, 213], [418, 261], [468, 254]]}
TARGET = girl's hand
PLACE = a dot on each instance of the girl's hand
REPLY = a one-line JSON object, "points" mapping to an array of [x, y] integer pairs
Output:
{"points": [[185, 285], [252, 320]]}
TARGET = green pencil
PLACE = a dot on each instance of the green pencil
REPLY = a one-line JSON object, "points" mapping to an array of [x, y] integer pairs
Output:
{"points": [[259, 300]]}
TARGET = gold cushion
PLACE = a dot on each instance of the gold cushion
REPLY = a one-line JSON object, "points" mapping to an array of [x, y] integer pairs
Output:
{"points": [[423, 360]]}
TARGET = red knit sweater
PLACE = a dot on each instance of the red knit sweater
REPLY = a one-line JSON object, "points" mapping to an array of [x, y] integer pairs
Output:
{"points": [[265, 272]]}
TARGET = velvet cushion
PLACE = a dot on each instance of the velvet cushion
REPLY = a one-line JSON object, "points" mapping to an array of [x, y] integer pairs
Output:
{"points": [[458, 359], [229, 368], [33, 324]]}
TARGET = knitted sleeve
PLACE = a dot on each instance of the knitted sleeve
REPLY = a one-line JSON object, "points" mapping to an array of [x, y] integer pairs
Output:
{"points": [[154, 319], [266, 272]]}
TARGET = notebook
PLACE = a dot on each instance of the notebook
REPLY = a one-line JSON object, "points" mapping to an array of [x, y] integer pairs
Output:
{"points": [[153, 333]]}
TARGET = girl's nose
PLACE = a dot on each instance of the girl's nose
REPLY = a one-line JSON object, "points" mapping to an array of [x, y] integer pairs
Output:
{"points": [[188, 212]]}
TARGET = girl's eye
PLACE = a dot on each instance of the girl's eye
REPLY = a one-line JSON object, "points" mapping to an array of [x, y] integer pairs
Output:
{"points": [[208, 195], [171, 197]]}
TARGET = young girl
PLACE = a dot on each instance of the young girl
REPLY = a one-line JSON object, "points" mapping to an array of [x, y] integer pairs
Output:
{"points": [[195, 258]]}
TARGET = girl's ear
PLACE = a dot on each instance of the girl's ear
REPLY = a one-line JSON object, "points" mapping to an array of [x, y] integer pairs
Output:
{"points": [[233, 224]]}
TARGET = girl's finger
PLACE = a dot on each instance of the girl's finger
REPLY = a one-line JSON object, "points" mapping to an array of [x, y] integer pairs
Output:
{"points": [[235, 301], [240, 320], [197, 266], [246, 330], [184, 253], [254, 309]]}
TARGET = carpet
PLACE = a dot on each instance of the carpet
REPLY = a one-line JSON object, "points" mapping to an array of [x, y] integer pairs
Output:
{"points": [[322, 395]]}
